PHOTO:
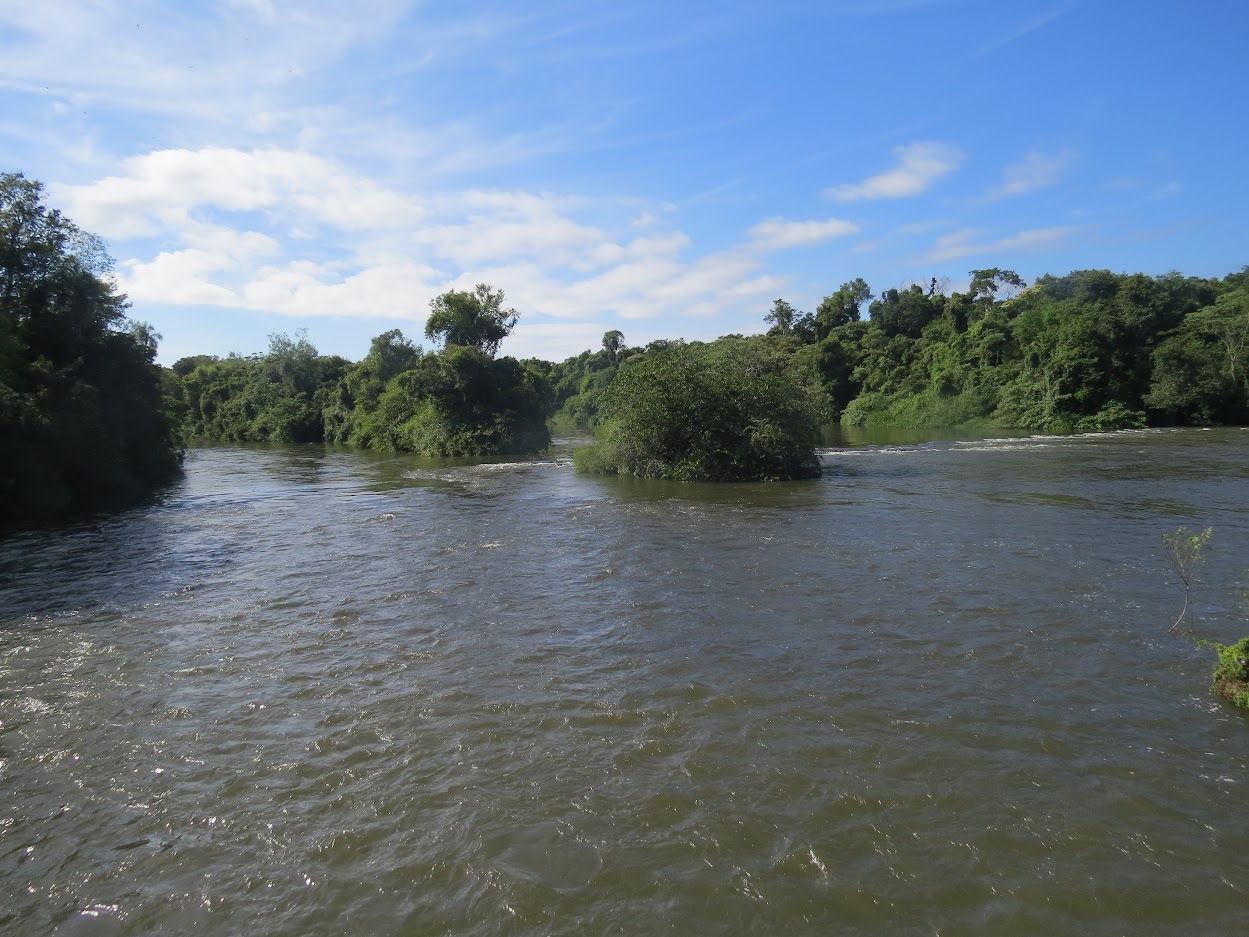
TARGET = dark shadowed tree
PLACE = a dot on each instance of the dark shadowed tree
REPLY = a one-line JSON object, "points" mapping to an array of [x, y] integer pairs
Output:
{"points": [[82, 421], [613, 342]]}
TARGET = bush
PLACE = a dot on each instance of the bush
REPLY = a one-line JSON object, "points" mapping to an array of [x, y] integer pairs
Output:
{"points": [[1231, 673], [733, 410]]}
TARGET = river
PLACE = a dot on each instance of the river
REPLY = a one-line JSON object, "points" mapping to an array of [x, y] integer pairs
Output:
{"points": [[321, 692]]}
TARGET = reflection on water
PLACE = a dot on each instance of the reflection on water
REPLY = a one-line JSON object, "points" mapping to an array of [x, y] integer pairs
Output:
{"points": [[322, 691]]}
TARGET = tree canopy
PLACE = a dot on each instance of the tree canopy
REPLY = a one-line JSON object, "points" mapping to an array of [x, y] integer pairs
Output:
{"points": [[1091, 350], [457, 401], [733, 410], [473, 320], [82, 421]]}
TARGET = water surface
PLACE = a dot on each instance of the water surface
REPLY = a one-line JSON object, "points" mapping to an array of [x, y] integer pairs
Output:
{"points": [[321, 692]]}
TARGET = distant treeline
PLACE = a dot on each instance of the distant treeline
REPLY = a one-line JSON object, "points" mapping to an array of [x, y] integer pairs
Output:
{"points": [[1092, 350]]}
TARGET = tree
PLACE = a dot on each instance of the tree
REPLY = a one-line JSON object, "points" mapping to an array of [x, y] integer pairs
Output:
{"points": [[842, 308], [782, 316], [986, 284], [1188, 383], [906, 312], [82, 421], [472, 320], [1227, 323], [460, 402], [613, 342]]}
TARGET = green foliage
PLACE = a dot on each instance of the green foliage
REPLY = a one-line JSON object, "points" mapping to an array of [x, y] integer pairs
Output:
{"points": [[268, 398], [473, 320], [613, 343], [906, 312], [1231, 673], [1201, 373], [842, 307], [458, 401], [733, 410], [1090, 351], [1188, 386], [782, 316], [1087, 352], [986, 284], [577, 384], [82, 422]]}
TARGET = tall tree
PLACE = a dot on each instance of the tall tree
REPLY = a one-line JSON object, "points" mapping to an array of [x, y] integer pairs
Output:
{"points": [[843, 307], [472, 320], [613, 342], [82, 422], [782, 316]]}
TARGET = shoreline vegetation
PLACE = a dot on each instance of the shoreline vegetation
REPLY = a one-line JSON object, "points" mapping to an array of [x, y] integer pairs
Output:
{"points": [[88, 421], [82, 421], [1089, 351]]}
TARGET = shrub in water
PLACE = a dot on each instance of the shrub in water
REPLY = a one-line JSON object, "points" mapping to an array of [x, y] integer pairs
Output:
{"points": [[733, 410]]}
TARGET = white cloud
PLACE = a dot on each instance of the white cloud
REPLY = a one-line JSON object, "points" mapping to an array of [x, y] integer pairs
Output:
{"points": [[161, 190], [180, 278], [778, 233], [1035, 171], [502, 225], [233, 228], [556, 340], [963, 243], [393, 289], [919, 166]]}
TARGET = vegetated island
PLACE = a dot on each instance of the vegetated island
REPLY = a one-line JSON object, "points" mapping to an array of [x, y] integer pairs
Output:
{"points": [[88, 421]]}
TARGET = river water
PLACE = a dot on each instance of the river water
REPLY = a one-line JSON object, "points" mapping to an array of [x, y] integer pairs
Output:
{"points": [[324, 692]]}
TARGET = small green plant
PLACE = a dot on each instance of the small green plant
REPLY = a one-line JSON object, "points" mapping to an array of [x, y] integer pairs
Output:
{"points": [[1231, 673], [1186, 551]]}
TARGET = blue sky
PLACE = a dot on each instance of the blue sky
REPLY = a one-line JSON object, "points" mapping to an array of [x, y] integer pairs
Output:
{"points": [[666, 169]]}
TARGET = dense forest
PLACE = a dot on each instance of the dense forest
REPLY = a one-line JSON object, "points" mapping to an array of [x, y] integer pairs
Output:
{"points": [[459, 400], [82, 424], [1092, 350]]}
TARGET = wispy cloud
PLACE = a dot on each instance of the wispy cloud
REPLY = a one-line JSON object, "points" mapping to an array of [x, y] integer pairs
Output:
{"points": [[923, 227], [965, 243], [1170, 189], [1035, 171], [1030, 26], [778, 233], [162, 58], [919, 166]]}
